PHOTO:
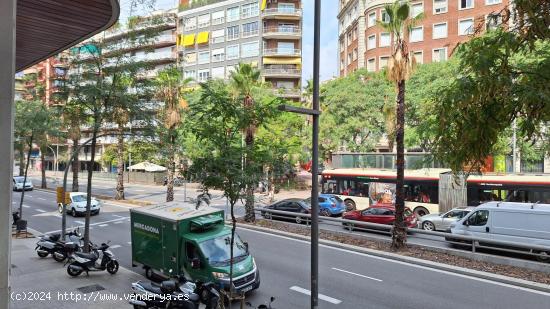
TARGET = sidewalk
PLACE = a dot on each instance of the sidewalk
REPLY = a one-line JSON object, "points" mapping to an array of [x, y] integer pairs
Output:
{"points": [[37, 279]]}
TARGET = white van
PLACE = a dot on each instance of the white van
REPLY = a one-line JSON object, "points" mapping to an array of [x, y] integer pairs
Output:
{"points": [[524, 223]]}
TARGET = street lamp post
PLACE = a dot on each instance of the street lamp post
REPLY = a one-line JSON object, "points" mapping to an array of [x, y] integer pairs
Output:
{"points": [[315, 113], [54, 161]]}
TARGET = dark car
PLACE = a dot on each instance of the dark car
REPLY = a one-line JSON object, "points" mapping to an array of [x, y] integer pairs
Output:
{"points": [[294, 205], [381, 214]]}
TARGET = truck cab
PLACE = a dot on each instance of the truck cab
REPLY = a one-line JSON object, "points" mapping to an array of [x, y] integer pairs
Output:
{"points": [[177, 238]]}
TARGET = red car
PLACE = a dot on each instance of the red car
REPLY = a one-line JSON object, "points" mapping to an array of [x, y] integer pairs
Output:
{"points": [[381, 214]]}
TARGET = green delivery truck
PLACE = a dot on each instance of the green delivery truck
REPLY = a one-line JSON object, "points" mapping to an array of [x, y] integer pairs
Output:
{"points": [[175, 238]]}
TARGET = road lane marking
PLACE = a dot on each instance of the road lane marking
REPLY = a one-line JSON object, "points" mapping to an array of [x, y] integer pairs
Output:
{"points": [[114, 246], [26, 206], [137, 190], [119, 216], [118, 222], [356, 274], [92, 224], [103, 225], [471, 277], [40, 210], [79, 222], [41, 198], [29, 195], [129, 242], [321, 296]]}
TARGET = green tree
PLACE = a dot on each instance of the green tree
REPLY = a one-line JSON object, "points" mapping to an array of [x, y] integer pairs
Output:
{"points": [[400, 67]]}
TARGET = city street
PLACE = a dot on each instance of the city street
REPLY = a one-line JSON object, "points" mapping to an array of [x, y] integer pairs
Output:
{"points": [[347, 279]]}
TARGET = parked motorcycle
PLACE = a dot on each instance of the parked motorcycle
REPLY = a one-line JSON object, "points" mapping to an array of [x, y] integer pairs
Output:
{"points": [[99, 259], [263, 306], [174, 293], [59, 249]]}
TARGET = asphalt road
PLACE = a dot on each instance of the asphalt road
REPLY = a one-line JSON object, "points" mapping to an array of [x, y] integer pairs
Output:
{"points": [[347, 279]]}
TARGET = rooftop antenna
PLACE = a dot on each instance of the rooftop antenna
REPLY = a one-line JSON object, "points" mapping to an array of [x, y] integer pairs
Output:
{"points": [[533, 205], [498, 204]]}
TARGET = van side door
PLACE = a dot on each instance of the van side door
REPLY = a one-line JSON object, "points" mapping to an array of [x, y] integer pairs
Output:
{"points": [[477, 224]]}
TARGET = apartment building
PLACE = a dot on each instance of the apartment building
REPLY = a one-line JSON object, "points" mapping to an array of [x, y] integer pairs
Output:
{"points": [[351, 24], [46, 77], [446, 23], [214, 36]]}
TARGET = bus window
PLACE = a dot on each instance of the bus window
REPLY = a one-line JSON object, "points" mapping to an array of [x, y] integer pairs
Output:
{"points": [[421, 193]]}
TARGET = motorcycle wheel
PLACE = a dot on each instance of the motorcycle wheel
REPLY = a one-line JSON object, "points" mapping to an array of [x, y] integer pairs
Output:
{"points": [[59, 259], [73, 272], [112, 267], [42, 254], [139, 307]]}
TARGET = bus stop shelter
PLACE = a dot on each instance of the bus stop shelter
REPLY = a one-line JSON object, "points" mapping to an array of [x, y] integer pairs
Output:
{"points": [[33, 30]]}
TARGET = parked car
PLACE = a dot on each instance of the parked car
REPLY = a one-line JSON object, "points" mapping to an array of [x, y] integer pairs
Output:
{"points": [[329, 205], [18, 183], [295, 205], [442, 222], [381, 214], [77, 206], [524, 223]]}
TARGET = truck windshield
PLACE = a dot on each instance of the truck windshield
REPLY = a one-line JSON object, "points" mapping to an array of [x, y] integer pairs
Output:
{"points": [[217, 250]]}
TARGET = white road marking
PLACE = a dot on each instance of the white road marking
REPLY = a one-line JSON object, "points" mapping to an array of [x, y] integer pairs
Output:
{"points": [[114, 246], [79, 222], [26, 206], [119, 216], [29, 195], [129, 242], [118, 222], [408, 264], [40, 210], [97, 223], [321, 296], [41, 198], [356, 274], [103, 225], [136, 190]]}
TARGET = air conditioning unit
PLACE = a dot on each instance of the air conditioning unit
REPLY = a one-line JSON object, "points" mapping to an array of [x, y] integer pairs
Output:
{"points": [[440, 10]]}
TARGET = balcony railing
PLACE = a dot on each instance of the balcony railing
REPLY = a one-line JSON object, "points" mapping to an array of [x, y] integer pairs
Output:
{"points": [[283, 30], [282, 11], [282, 52], [282, 71], [287, 92]]}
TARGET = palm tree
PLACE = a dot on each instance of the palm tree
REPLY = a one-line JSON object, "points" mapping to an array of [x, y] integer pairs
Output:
{"points": [[243, 80], [169, 86], [400, 68]]}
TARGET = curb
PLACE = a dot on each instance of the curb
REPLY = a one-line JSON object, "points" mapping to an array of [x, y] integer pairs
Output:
{"points": [[109, 199], [415, 261]]}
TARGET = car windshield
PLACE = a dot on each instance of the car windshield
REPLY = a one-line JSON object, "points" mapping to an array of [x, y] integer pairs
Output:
{"points": [[338, 199], [217, 250], [20, 180], [79, 198]]}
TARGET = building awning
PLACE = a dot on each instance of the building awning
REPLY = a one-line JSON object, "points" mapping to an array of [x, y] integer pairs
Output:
{"points": [[189, 40], [202, 38], [45, 28], [271, 60]]}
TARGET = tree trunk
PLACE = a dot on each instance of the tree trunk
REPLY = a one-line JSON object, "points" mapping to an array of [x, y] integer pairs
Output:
{"points": [[399, 233], [249, 216], [120, 166], [44, 184], [233, 228], [271, 186], [75, 166], [21, 159], [89, 189], [25, 176], [171, 170]]}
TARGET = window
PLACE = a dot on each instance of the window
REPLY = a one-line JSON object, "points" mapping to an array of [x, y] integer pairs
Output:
{"points": [[250, 29], [354, 54], [491, 2], [251, 49], [417, 34], [204, 75], [233, 14], [439, 54], [218, 17], [190, 23], [286, 7], [349, 58], [479, 218], [371, 19], [417, 9], [371, 41], [440, 6], [232, 33], [418, 56], [371, 65], [218, 36], [385, 39], [250, 10], [342, 45], [342, 64], [286, 48], [383, 62], [440, 31], [384, 17], [232, 52], [466, 26], [190, 74], [218, 72], [204, 57], [218, 54], [493, 21], [465, 4], [190, 58], [354, 33], [204, 20]]}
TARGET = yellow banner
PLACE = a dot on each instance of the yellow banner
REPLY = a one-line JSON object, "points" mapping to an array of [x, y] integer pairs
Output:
{"points": [[189, 40], [272, 60], [202, 38], [263, 5]]}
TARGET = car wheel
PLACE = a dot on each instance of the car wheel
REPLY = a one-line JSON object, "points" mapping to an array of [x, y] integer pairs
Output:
{"points": [[421, 211], [267, 215], [73, 212], [350, 205], [60, 208], [428, 226], [543, 257], [298, 220], [348, 226], [325, 213]]}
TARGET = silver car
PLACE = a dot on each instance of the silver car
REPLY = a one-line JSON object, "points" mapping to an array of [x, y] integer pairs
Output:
{"points": [[442, 222]]}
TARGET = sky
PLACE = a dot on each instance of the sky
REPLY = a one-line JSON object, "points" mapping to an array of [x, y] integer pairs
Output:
{"points": [[329, 35]]}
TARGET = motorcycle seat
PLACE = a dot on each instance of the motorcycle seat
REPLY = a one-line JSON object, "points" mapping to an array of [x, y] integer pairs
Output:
{"points": [[89, 256], [151, 287]]}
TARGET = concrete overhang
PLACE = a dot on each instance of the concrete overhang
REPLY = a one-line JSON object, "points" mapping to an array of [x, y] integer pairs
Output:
{"points": [[47, 27]]}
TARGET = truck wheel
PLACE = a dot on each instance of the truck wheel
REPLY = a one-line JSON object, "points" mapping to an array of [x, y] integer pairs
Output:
{"points": [[350, 205]]}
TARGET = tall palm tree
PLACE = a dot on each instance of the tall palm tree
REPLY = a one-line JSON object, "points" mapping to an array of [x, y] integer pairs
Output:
{"points": [[243, 80], [400, 68]]}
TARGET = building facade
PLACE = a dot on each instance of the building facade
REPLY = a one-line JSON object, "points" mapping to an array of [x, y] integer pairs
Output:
{"points": [[351, 24], [215, 37], [446, 23]]}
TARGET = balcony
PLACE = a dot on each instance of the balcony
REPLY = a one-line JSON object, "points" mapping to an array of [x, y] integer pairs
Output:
{"points": [[282, 13], [288, 93], [282, 52], [283, 32], [282, 72]]}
